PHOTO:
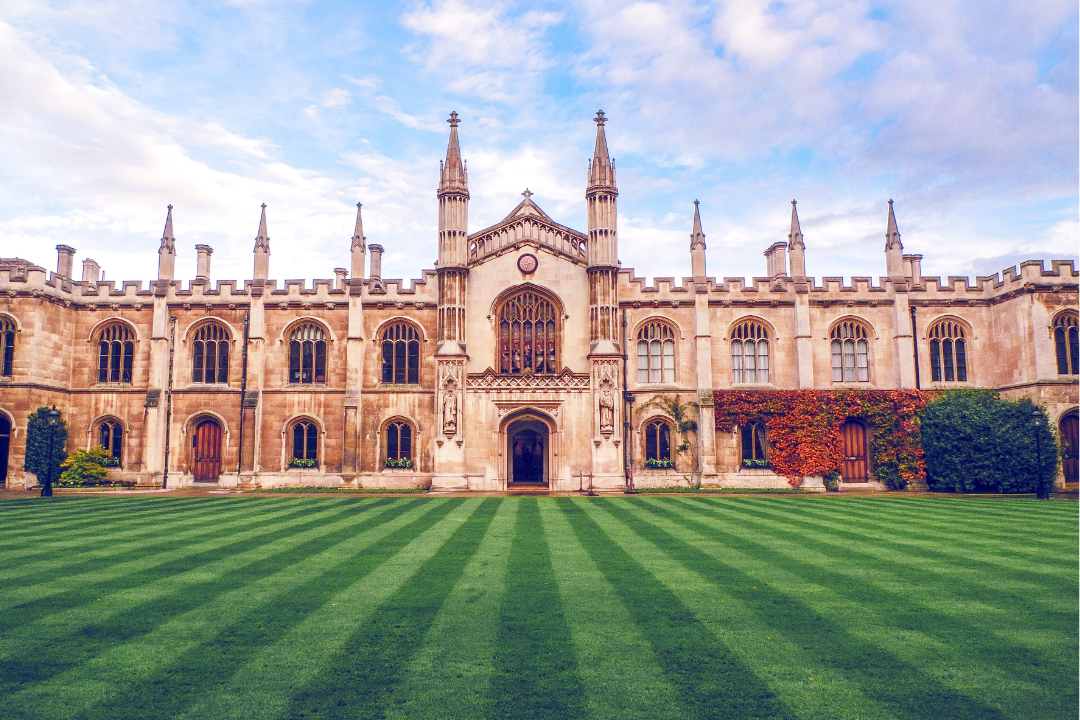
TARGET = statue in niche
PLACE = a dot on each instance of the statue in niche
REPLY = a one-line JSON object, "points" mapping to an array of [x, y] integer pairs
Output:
{"points": [[607, 411], [449, 410]]}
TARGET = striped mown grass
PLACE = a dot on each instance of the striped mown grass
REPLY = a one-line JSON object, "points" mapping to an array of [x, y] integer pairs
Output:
{"points": [[682, 606]]}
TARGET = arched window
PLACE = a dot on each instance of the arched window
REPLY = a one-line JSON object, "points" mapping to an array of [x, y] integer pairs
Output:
{"points": [[750, 353], [754, 446], [116, 353], [1066, 345], [305, 444], [307, 355], [948, 352], [399, 435], [7, 346], [528, 334], [850, 353], [110, 435], [658, 443], [656, 353], [210, 355], [401, 355]]}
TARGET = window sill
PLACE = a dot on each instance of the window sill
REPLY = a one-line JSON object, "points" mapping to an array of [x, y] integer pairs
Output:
{"points": [[305, 386], [398, 387], [759, 385], [112, 386], [311, 470], [853, 384]]}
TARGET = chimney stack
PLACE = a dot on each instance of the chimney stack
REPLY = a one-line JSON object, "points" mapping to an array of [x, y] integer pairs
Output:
{"points": [[339, 278], [913, 266], [776, 257], [376, 262], [202, 267], [64, 260], [91, 271]]}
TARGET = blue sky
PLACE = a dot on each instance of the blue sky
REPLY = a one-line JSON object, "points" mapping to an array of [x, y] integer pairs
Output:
{"points": [[964, 113]]}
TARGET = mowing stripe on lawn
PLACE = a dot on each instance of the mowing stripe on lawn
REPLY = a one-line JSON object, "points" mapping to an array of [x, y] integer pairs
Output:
{"points": [[190, 649], [359, 680], [621, 675], [66, 640], [911, 691], [35, 600], [1038, 665], [1002, 580], [65, 558], [450, 675], [297, 641], [536, 674], [695, 661], [70, 517]]}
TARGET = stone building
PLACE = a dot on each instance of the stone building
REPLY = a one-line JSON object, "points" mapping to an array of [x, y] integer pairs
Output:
{"points": [[528, 355]]}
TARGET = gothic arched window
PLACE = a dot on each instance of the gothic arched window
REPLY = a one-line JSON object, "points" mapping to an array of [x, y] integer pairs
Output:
{"points": [[110, 435], [658, 442], [656, 353], [528, 334], [307, 354], [305, 444], [948, 352], [754, 445], [7, 346], [750, 353], [210, 355], [1066, 344], [401, 354], [399, 436], [850, 352], [116, 353]]}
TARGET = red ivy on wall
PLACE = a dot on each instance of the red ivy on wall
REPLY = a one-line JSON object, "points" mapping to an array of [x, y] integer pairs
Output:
{"points": [[805, 435]]}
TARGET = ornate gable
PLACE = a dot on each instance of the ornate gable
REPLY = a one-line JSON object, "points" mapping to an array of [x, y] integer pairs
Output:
{"points": [[527, 224]]}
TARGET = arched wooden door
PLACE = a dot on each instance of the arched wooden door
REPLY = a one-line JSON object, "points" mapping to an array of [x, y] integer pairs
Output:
{"points": [[1069, 447], [206, 446], [5, 445], [856, 468]]}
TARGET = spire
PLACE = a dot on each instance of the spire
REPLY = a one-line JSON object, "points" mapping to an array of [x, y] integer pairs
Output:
{"points": [[358, 233], [262, 241], [452, 172], [892, 235], [795, 237], [601, 168], [697, 237], [697, 247], [168, 242]]}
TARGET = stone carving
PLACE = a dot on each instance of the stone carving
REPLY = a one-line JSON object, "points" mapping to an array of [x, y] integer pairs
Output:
{"points": [[450, 409], [448, 404], [607, 411], [566, 380]]}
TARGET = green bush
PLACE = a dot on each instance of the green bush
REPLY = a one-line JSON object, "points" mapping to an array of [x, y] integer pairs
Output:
{"points": [[303, 463], [37, 445], [974, 441], [659, 464], [398, 463], [85, 468]]}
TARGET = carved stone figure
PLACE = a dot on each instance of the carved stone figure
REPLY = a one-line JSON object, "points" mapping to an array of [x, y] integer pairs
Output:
{"points": [[607, 411], [449, 413]]}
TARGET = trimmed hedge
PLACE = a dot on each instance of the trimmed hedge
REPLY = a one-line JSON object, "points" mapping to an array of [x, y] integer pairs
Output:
{"points": [[974, 441]]}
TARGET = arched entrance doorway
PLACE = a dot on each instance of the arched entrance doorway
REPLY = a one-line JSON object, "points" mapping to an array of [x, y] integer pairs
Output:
{"points": [[856, 468], [5, 445], [1068, 429], [527, 451], [206, 450]]}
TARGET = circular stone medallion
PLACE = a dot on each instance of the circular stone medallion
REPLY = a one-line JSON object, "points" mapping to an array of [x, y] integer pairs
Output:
{"points": [[527, 263]]}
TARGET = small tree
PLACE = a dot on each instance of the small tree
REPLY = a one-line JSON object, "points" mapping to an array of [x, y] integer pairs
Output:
{"points": [[974, 441], [38, 460], [684, 416]]}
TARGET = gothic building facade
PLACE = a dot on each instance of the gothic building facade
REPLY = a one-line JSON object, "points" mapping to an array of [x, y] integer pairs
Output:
{"points": [[528, 355]]}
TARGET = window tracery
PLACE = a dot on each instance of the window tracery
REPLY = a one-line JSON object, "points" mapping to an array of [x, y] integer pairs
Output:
{"points": [[307, 355], [750, 353], [1067, 344], [116, 354], [658, 441], [305, 450], [948, 352], [110, 435], [656, 353], [7, 346], [850, 352], [399, 435], [210, 355], [528, 334], [401, 354]]}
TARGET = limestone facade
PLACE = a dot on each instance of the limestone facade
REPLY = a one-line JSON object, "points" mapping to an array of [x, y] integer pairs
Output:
{"points": [[527, 355]]}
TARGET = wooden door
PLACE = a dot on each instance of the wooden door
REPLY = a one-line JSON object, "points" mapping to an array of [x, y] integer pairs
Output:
{"points": [[1069, 447], [855, 465], [207, 450]]}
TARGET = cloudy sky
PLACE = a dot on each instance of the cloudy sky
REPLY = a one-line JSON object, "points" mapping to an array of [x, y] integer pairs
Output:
{"points": [[965, 113]]}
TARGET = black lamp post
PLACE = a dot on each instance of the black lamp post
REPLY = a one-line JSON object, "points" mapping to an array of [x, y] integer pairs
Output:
{"points": [[53, 419], [1041, 491]]}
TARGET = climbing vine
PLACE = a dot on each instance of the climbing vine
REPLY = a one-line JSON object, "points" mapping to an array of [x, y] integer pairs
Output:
{"points": [[805, 435]]}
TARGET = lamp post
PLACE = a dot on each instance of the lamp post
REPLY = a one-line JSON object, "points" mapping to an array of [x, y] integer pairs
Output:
{"points": [[1041, 491], [52, 418]]}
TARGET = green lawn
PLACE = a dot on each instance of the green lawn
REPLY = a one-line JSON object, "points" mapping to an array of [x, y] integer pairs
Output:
{"points": [[631, 607]]}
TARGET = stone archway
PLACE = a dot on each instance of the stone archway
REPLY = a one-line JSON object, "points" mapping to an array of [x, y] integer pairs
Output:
{"points": [[528, 451]]}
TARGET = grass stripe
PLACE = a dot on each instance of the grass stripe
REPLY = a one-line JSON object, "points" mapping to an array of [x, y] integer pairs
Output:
{"points": [[450, 675], [621, 675], [906, 687], [692, 659], [360, 680], [70, 517], [305, 634], [536, 673]]}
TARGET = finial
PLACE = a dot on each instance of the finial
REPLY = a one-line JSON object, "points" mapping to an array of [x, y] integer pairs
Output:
{"points": [[600, 119], [890, 202], [527, 194], [170, 207], [358, 205], [454, 121], [264, 206], [793, 203], [696, 202]]}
